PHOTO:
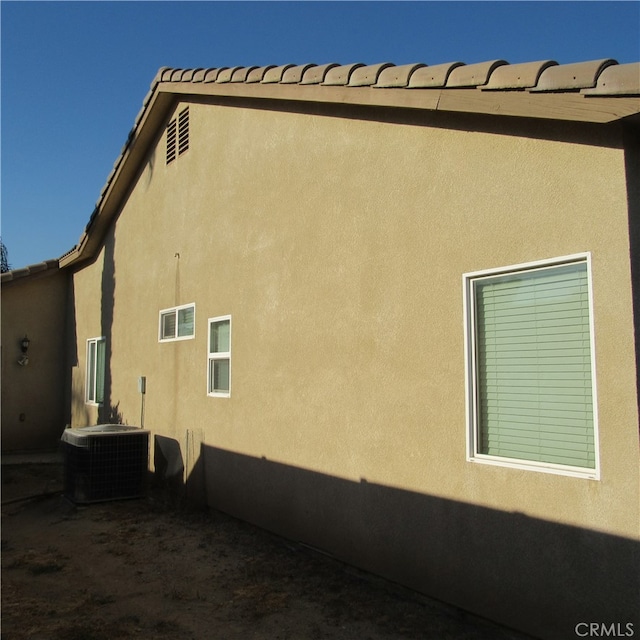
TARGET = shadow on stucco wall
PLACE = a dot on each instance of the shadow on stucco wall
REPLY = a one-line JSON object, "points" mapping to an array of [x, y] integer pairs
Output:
{"points": [[78, 410], [71, 404], [178, 477], [538, 576], [108, 414], [632, 167]]}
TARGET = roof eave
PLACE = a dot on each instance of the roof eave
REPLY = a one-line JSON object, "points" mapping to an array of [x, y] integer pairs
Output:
{"points": [[148, 124], [567, 106], [573, 106]]}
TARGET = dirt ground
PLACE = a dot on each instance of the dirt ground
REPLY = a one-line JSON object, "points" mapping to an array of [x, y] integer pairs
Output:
{"points": [[141, 569]]}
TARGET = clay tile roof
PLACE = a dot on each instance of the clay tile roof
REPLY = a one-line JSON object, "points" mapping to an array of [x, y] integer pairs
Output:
{"points": [[367, 76], [431, 77], [568, 77], [275, 74], [394, 76], [198, 76], [212, 74], [294, 75], [166, 74], [158, 77], [473, 75], [597, 77], [258, 73], [225, 74], [187, 76], [317, 74], [517, 76], [619, 79], [240, 74], [341, 75], [33, 269]]}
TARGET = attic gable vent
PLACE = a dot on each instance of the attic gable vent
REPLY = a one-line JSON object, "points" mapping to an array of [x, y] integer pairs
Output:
{"points": [[171, 141], [178, 135], [183, 131]]}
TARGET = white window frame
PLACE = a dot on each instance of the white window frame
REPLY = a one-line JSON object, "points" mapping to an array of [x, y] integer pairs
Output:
{"points": [[472, 426], [91, 387], [176, 310], [219, 355]]}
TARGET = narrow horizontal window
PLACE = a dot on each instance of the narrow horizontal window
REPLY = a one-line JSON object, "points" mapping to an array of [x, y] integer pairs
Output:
{"points": [[177, 323], [531, 387], [219, 358]]}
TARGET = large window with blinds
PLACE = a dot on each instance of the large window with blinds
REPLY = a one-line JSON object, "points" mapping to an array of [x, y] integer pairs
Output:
{"points": [[530, 379], [177, 323], [94, 388]]}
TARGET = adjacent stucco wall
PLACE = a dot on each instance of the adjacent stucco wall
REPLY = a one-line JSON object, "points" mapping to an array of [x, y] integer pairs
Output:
{"points": [[34, 396], [338, 244]]}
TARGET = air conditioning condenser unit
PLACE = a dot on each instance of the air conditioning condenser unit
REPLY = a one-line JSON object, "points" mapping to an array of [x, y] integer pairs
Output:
{"points": [[105, 462]]}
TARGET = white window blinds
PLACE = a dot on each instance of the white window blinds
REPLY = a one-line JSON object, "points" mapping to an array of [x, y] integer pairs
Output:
{"points": [[534, 393]]}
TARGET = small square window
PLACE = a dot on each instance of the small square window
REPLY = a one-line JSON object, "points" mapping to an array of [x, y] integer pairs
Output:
{"points": [[177, 323]]}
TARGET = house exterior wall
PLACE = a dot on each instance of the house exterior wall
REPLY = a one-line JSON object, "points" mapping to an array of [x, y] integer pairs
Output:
{"points": [[34, 409], [337, 245]]}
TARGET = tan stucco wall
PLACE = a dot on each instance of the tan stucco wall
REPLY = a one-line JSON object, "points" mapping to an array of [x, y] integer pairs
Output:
{"points": [[34, 409], [338, 246]]}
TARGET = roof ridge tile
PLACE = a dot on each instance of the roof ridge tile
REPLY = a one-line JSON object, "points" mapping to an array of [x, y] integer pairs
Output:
{"points": [[294, 75], [368, 75], [226, 74], [517, 76], [340, 76], [571, 77], [619, 79], [198, 75], [536, 77], [241, 73], [274, 75], [473, 75], [432, 77], [258, 73], [397, 77], [317, 74], [212, 74]]}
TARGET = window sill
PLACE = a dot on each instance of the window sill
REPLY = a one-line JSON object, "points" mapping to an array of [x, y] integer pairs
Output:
{"points": [[525, 465], [180, 339]]}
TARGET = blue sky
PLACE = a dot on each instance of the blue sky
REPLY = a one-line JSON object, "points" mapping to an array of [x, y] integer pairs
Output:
{"points": [[74, 74]]}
